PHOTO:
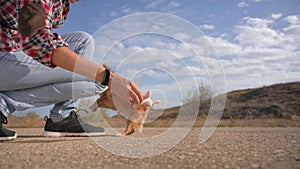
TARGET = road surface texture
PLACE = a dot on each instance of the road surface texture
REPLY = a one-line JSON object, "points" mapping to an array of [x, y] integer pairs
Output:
{"points": [[227, 148]]}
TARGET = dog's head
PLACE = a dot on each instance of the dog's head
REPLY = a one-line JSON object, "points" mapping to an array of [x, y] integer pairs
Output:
{"points": [[137, 119]]}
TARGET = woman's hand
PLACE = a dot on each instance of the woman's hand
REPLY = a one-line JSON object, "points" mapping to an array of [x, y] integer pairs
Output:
{"points": [[125, 89]]}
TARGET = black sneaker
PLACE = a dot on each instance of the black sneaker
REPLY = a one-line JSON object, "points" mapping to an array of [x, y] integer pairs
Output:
{"points": [[6, 135], [71, 126]]}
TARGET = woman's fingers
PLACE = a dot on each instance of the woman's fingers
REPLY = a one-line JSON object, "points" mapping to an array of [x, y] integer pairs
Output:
{"points": [[134, 97], [136, 94]]}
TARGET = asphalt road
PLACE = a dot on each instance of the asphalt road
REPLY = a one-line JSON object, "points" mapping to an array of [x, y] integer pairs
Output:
{"points": [[227, 148]]}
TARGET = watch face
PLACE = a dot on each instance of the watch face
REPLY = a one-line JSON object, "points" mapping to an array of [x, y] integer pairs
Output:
{"points": [[106, 77]]}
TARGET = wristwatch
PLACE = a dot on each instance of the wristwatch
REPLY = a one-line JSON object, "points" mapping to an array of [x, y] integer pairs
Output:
{"points": [[106, 77]]}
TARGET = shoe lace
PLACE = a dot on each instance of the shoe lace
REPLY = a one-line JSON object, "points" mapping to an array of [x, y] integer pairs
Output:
{"points": [[3, 119], [74, 114]]}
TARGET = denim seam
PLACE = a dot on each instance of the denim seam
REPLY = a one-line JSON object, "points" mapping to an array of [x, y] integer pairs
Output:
{"points": [[6, 58], [80, 41]]}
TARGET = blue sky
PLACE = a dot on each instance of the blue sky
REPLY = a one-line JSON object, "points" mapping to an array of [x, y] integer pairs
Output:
{"points": [[228, 24], [89, 15], [257, 41]]}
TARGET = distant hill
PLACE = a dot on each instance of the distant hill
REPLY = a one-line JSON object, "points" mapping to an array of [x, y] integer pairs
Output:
{"points": [[275, 101]]}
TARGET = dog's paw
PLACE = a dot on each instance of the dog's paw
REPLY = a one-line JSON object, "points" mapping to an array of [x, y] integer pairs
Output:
{"points": [[119, 135]]}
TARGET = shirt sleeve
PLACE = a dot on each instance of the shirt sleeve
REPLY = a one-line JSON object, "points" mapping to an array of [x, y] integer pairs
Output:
{"points": [[41, 46]]}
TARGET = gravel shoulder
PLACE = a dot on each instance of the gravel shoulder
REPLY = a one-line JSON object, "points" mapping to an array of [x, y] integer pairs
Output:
{"points": [[226, 148]]}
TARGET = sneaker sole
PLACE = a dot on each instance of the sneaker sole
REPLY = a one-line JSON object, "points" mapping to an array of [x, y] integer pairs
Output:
{"points": [[65, 134], [8, 138]]}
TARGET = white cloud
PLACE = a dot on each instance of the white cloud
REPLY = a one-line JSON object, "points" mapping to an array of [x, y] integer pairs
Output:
{"points": [[128, 10], [257, 22], [224, 47], [154, 4], [293, 31], [113, 14], [293, 19], [174, 4], [276, 15], [260, 55], [167, 63], [258, 37], [243, 4], [172, 8], [256, 32], [207, 27]]}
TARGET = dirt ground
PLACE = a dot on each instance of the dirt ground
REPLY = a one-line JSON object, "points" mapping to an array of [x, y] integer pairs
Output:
{"points": [[227, 148]]}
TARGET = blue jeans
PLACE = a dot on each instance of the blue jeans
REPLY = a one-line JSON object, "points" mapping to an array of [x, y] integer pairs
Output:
{"points": [[25, 83]]}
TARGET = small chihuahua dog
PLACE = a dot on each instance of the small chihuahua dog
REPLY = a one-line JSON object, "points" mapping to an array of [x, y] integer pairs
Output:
{"points": [[136, 119]]}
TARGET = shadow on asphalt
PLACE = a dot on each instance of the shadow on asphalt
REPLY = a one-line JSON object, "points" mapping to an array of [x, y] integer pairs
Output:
{"points": [[37, 141], [42, 139]]}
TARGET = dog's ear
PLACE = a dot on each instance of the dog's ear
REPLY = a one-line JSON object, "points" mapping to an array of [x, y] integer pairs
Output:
{"points": [[155, 102], [137, 83]]}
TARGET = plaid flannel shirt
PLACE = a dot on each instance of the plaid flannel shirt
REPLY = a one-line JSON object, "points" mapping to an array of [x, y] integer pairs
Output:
{"points": [[41, 45]]}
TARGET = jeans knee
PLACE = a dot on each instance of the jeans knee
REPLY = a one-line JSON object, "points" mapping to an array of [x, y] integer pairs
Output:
{"points": [[80, 42], [79, 37]]}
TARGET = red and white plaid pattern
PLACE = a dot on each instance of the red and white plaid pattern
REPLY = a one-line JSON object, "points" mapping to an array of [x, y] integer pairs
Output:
{"points": [[41, 45]]}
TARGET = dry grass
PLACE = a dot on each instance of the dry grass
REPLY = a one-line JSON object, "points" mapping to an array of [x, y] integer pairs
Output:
{"points": [[25, 122]]}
